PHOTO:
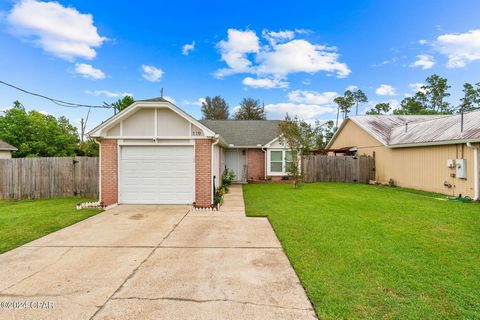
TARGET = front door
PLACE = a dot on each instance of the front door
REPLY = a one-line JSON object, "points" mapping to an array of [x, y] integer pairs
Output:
{"points": [[231, 161]]}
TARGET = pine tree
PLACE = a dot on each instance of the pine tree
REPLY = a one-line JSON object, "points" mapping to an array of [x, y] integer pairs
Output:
{"points": [[250, 109], [215, 108]]}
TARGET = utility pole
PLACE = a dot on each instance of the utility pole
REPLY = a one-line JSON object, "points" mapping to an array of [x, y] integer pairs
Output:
{"points": [[82, 130], [83, 126]]}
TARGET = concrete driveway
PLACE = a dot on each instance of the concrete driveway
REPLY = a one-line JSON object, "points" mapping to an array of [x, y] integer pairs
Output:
{"points": [[155, 262]]}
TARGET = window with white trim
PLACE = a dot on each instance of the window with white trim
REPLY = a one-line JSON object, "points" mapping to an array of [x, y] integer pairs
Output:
{"points": [[280, 161], [276, 161]]}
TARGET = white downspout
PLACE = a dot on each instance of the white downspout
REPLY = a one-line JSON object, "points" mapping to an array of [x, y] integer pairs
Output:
{"points": [[216, 139], [264, 163], [476, 192], [99, 169]]}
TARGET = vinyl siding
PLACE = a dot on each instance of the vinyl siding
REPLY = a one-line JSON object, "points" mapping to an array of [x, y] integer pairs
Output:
{"points": [[423, 168]]}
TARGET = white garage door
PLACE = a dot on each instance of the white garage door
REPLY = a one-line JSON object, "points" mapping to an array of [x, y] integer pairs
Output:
{"points": [[157, 174]]}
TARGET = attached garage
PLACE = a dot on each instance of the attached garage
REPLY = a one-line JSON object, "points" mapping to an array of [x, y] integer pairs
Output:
{"points": [[154, 153], [157, 174]]}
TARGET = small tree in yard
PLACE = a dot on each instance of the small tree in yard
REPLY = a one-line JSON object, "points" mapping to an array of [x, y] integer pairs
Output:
{"points": [[297, 134]]}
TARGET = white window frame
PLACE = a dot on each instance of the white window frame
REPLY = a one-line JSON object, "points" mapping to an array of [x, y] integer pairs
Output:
{"points": [[269, 157]]}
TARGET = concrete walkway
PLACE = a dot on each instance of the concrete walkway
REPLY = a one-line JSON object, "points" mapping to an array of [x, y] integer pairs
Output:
{"points": [[156, 262]]}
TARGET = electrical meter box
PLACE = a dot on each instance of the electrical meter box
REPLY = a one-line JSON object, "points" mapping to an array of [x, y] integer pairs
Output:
{"points": [[461, 165]]}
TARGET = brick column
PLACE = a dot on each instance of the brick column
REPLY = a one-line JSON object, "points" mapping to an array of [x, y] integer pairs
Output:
{"points": [[203, 172], [108, 171], [256, 164]]}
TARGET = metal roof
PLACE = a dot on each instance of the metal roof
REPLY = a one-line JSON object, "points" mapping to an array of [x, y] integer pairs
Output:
{"points": [[380, 126], [402, 131], [6, 147], [438, 130], [244, 133]]}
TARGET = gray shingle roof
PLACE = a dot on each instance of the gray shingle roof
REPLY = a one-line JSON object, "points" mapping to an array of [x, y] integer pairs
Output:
{"points": [[245, 133], [158, 99], [5, 146]]}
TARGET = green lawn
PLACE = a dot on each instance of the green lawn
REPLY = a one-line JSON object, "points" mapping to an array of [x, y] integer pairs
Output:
{"points": [[22, 221], [374, 252]]}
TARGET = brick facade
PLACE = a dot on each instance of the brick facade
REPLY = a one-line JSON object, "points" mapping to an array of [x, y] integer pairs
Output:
{"points": [[203, 172], [109, 178], [256, 164]]}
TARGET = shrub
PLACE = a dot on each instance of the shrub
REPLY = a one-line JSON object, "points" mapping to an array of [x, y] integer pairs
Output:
{"points": [[227, 179]]}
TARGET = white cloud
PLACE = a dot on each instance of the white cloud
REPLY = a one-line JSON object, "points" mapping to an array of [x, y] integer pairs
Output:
{"points": [[385, 90], [300, 56], [460, 48], [235, 49], [198, 102], [236, 109], [107, 93], [89, 72], [422, 41], [416, 87], [307, 105], [311, 97], [424, 61], [307, 82], [151, 73], [307, 112], [266, 83], [282, 55], [385, 62], [278, 36], [187, 48], [61, 31], [169, 99], [352, 88]]}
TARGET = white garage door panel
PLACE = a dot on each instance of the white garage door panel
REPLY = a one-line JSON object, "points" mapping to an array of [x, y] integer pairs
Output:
{"points": [[158, 175]]}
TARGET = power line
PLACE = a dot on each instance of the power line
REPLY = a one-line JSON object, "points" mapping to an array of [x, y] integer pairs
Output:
{"points": [[57, 101]]}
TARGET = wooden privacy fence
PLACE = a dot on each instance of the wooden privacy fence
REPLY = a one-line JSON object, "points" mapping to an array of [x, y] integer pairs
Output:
{"points": [[339, 169], [35, 178]]}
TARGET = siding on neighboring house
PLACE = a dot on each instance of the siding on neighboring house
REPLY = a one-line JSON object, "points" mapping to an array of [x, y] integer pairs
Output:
{"points": [[5, 154], [422, 168]]}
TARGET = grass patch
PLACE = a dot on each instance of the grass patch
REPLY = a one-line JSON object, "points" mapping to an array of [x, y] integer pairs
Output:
{"points": [[22, 221], [373, 252]]}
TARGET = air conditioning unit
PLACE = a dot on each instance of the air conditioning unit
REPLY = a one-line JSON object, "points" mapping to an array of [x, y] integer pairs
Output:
{"points": [[461, 165]]}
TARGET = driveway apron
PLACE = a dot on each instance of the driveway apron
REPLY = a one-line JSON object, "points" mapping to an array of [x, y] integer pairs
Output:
{"points": [[157, 262]]}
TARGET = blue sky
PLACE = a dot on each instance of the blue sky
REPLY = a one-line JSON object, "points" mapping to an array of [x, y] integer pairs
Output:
{"points": [[293, 56]]}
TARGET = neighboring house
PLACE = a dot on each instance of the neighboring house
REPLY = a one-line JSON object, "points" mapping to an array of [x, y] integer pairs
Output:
{"points": [[432, 153], [154, 152], [6, 150]]}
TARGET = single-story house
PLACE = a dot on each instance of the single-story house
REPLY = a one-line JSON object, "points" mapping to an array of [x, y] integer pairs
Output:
{"points": [[155, 153], [6, 150], [436, 153]]}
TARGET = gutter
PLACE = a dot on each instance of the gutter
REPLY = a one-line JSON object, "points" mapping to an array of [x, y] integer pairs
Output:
{"points": [[476, 193], [434, 143], [216, 139]]}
